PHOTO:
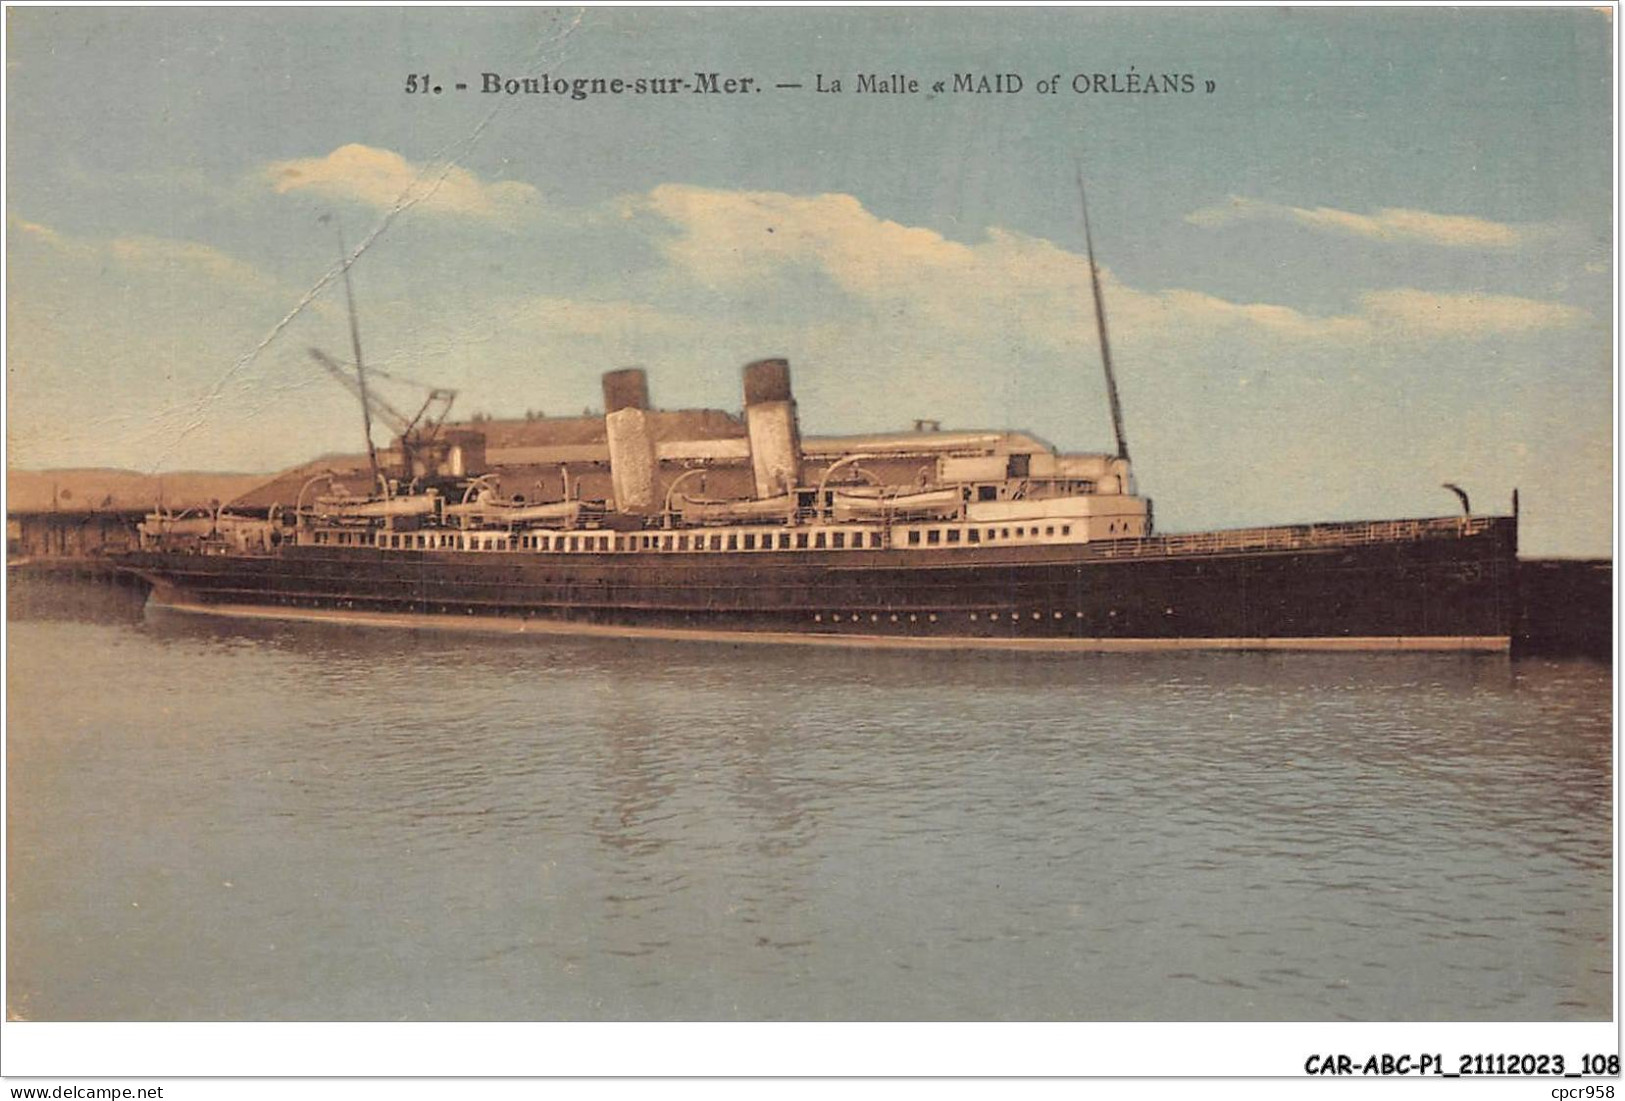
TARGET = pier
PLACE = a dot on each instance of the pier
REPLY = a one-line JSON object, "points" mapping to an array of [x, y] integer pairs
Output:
{"points": [[1565, 608]]}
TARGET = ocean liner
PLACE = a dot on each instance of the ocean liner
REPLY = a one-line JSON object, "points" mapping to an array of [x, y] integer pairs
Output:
{"points": [[687, 525]]}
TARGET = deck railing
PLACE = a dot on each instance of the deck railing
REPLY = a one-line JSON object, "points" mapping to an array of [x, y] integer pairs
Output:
{"points": [[1299, 537]]}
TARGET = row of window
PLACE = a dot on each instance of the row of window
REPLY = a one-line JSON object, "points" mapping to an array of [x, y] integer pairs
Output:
{"points": [[931, 617], [975, 617], [853, 539], [733, 541], [934, 536]]}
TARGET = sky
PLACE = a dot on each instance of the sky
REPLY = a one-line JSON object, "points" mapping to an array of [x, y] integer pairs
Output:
{"points": [[1376, 257]]}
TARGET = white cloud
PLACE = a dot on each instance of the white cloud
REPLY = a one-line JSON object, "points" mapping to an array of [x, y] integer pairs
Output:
{"points": [[1197, 314], [385, 179], [1389, 224], [1397, 314], [151, 256], [1422, 314], [1010, 285], [727, 237], [160, 252]]}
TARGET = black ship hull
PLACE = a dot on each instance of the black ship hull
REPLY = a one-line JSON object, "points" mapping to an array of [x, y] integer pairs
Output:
{"points": [[1451, 588]]}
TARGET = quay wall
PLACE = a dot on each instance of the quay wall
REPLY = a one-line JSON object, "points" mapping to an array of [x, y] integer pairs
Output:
{"points": [[1565, 607]]}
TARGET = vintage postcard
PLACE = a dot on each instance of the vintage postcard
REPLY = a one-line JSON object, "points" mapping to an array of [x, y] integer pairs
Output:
{"points": [[1087, 515]]}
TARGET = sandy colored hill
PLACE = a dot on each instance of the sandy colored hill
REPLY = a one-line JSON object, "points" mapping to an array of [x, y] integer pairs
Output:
{"points": [[90, 490]]}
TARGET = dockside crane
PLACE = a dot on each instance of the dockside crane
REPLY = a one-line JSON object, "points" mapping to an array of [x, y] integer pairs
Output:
{"points": [[418, 434]]}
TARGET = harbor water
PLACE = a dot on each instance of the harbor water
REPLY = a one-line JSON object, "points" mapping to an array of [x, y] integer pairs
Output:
{"points": [[220, 820]]}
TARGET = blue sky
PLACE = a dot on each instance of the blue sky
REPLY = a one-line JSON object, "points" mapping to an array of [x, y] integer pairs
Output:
{"points": [[1376, 258]]}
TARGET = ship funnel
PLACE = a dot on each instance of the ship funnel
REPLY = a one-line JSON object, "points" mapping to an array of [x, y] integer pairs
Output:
{"points": [[632, 462], [628, 389], [770, 419]]}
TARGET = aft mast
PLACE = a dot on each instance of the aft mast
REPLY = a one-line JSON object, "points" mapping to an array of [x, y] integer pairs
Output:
{"points": [[1100, 326]]}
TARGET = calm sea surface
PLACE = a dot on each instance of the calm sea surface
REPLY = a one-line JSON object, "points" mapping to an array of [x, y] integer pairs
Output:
{"points": [[212, 820]]}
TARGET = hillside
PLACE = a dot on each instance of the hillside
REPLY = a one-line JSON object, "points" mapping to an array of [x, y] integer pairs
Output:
{"points": [[89, 490]]}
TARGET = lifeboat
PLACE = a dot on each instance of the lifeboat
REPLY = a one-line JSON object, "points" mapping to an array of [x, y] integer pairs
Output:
{"points": [[489, 509], [419, 504], [494, 509], [503, 512], [698, 510], [886, 502], [556, 512]]}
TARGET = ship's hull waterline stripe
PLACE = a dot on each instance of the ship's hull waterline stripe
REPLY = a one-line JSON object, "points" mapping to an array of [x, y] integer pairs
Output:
{"points": [[506, 625]]}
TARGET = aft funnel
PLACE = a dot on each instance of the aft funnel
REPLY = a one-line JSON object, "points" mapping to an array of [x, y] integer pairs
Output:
{"points": [[770, 419], [632, 461]]}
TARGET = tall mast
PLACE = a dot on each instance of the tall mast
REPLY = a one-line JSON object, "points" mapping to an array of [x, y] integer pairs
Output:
{"points": [[355, 343], [1100, 326]]}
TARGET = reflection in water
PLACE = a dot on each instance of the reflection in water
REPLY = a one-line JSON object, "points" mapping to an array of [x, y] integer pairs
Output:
{"points": [[221, 820], [637, 776], [31, 598]]}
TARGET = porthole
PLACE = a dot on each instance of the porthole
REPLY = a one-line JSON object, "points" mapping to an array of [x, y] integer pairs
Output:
{"points": [[1057, 615], [1035, 615], [894, 617], [874, 619], [993, 615], [912, 618], [933, 617], [818, 617], [973, 617]]}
